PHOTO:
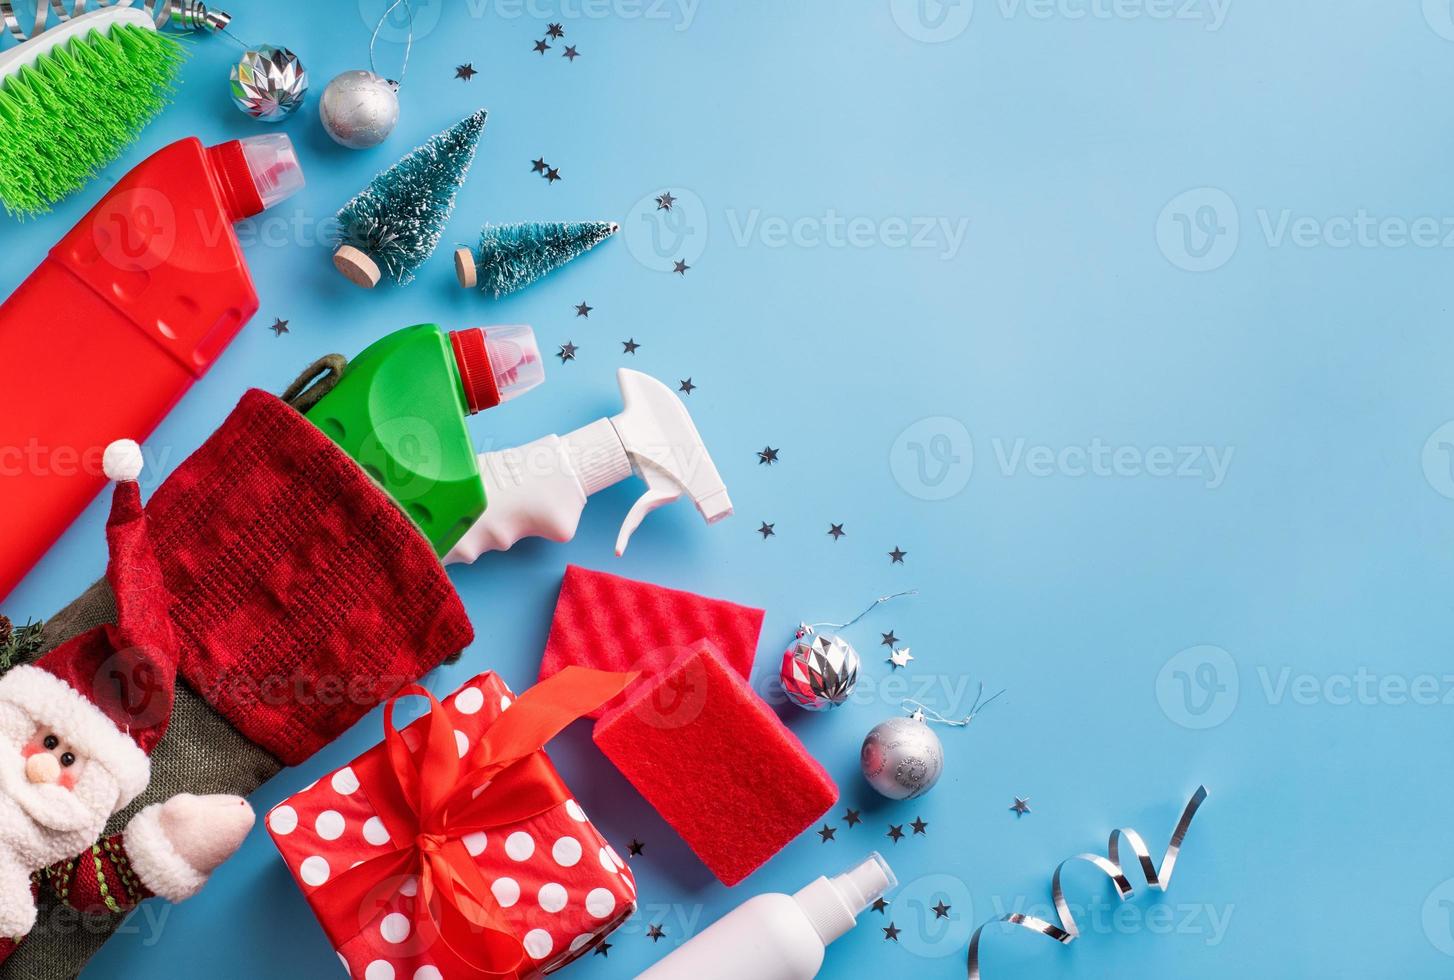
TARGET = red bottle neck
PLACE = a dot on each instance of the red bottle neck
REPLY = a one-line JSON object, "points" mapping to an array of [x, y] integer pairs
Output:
{"points": [[234, 180], [476, 374]]}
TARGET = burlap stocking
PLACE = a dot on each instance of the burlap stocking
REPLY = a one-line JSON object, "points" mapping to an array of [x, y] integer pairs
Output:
{"points": [[303, 597]]}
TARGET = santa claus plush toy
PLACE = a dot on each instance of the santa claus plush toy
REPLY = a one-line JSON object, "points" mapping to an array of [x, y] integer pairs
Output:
{"points": [[76, 728]]}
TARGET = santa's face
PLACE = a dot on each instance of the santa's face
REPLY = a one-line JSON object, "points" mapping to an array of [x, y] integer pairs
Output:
{"points": [[51, 796], [50, 760]]}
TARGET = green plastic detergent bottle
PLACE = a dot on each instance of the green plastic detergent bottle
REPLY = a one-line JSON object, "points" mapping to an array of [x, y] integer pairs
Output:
{"points": [[400, 408]]}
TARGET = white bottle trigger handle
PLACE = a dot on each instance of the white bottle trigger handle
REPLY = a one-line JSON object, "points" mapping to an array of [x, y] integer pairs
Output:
{"points": [[660, 494]]}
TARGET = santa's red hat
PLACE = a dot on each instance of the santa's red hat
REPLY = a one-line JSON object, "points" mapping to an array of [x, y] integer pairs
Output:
{"points": [[108, 692]]}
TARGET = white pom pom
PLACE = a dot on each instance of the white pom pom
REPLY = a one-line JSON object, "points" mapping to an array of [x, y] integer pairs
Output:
{"points": [[122, 460]]}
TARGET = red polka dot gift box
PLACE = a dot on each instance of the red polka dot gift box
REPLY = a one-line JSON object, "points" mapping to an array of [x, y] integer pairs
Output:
{"points": [[453, 849]]}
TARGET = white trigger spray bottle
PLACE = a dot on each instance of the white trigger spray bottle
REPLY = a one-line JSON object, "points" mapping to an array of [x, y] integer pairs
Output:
{"points": [[779, 937], [540, 489]]}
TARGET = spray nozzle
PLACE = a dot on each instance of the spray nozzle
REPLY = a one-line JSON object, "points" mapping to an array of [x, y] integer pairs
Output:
{"points": [[832, 905], [661, 444], [866, 882]]}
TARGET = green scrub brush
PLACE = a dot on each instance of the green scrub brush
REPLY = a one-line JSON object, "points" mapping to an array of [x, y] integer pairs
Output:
{"points": [[73, 97]]}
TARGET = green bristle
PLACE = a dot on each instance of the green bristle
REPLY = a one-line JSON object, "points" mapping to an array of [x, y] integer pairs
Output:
{"points": [[74, 111]]}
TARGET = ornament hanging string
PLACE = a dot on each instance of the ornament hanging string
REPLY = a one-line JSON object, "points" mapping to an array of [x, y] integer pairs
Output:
{"points": [[360, 109], [810, 627], [819, 671], [920, 712], [245, 46], [408, 40], [227, 33], [196, 16]]}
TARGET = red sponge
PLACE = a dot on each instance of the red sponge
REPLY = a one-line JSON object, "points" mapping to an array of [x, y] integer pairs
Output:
{"points": [[716, 763], [614, 623]]}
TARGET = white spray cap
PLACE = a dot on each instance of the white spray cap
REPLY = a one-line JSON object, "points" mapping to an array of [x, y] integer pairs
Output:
{"points": [[832, 905], [666, 451], [867, 882]]}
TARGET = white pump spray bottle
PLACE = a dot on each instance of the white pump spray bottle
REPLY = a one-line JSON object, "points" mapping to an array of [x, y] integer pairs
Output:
{"points": [[540, 489], [779, 937]]}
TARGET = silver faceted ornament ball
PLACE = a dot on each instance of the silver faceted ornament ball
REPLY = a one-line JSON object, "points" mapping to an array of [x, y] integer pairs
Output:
{"points": [[902, 758], [819, 671], [359, 109], [269, 83]]}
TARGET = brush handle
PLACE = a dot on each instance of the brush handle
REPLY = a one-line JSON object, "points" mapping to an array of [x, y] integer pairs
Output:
{"points": [[182, 15], [28, 52]]}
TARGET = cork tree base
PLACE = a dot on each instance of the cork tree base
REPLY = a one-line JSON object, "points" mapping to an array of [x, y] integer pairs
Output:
{"points": [[464, 268], [357, 267]]}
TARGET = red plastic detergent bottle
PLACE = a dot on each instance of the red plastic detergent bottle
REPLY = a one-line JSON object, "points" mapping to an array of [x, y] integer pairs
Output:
{"points": [[124, 314]]}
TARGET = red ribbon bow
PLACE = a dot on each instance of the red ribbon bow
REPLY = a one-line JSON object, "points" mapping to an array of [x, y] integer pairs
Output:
{"points": [[429, 799]]}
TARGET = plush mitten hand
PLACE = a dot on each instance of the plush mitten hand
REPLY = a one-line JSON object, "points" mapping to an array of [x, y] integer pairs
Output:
{"points": [[174, 846], [168, 849]]}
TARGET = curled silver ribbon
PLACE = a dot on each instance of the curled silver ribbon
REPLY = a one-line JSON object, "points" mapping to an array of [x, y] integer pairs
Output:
{"points": [[1110, 865], [186, 15]]}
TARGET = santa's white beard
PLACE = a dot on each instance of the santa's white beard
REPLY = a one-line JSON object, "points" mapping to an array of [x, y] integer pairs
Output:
{"points": [[42, 824]]}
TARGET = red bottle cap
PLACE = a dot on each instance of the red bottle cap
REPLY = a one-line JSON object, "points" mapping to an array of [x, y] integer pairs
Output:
{"points": [[255, 173], [234, 178], [475, 373]]}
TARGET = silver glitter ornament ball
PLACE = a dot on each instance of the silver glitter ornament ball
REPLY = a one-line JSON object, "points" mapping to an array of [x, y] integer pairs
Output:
{"points": [[359, 109], [269, 83], [902, 758], [819, 671]]}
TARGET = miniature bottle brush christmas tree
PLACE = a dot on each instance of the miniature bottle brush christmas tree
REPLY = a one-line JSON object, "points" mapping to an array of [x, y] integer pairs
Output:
{"points": [[511, 257], [392, 227]]}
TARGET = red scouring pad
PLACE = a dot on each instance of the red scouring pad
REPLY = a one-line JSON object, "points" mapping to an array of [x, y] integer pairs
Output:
{"points": [[614, 623], [716, 763]]}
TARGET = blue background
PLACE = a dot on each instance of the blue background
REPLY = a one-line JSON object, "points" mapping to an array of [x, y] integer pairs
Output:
{"points": [[1159, 198]]}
